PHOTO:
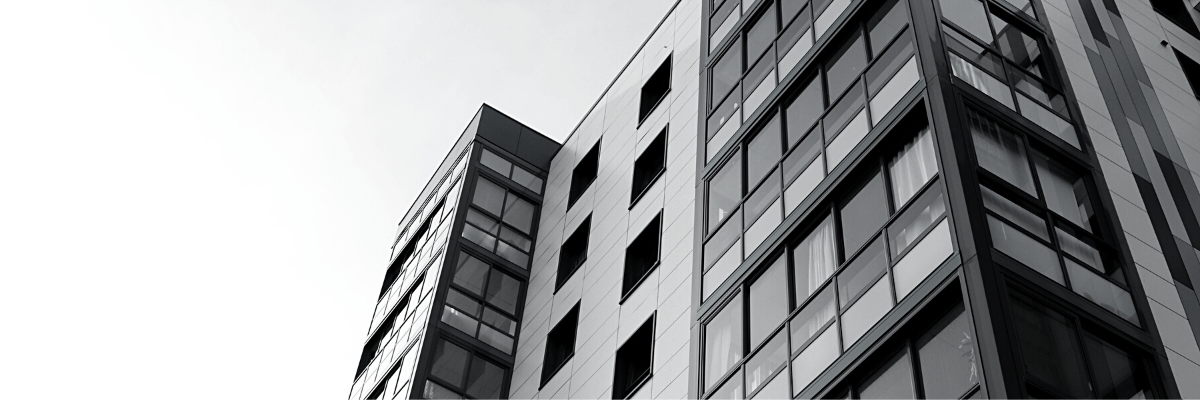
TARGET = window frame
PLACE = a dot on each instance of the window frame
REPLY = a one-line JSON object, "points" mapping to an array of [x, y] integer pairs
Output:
{"points": [[590, 161], [638, 383], [484, 304], [585, 229], [472, 355], [638, 167], [501, 224], [572, 319], [652, 231], [644, 111]]}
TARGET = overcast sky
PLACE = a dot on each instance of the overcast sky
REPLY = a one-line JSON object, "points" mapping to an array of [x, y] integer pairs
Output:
{"points": [[197, 197]]}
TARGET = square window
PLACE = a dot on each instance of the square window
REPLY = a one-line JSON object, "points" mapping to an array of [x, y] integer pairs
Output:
{"points": [[573, 253], [655, 90], [583, 174], [560, 344], [634, 362], [649, 166], [642, 255]]}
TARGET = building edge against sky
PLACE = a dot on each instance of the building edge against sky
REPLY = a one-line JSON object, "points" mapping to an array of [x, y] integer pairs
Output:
{"points": [[862, 198]]}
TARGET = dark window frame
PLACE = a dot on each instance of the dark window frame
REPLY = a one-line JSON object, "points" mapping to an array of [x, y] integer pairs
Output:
{"points": [[650, 167], [584, 174], [651, 232], [649, 101], [560, 332], [493, 268], [622, 389], [472, 354], [578, 240], [502, 224]]}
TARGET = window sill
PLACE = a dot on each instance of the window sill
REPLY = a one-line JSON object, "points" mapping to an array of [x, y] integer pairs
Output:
{"points": [[641, 383], [638, 284], [570, 275], [547, 378], [638, 196]]}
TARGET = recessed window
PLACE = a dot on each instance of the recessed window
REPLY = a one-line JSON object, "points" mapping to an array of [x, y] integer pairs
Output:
{"points": [[584, 174], [649, 166], [1177, 12], [634, 362], [573, 253], [642, 255], [655, 90], [1191, 70], [560, 344]]}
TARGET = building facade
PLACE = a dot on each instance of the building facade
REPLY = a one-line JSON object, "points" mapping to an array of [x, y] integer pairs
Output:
{"points": [[825, 198]]}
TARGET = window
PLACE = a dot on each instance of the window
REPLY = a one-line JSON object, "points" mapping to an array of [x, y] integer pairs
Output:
{"points": [[456, 371], [893, 381], [560, 344], [655, 90], [583, 174], [1057, 365], [491, 205], [649, 166], [483, 302], [723, 342], [515, 173], [1191, 71], [1176, 11], [573, 253], [993, 51], [724, 193], [634, 361], [863, 214], [770, 47], [1042, 217], [768, 301], [642, 256]]}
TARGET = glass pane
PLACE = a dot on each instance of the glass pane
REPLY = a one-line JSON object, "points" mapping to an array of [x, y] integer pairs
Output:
{"points": [[814, 359], [1051, 349], [815, 315], [789, 8], [1118, 376], [1080, 249], [1013, 213], [916, 219], [768, 303], [764, 151], [495, 339], [864, 214], [450, 363], [483, 222], [845, 65], [894, 381], [767, 361], [512, 254], [760, 36], [488, 196], [724, 192], [1001, 153], [1049, 121], [485, 381], [973, 75], [1019, 47], [968, 15], [518, 213], [726, 73], [762, 198], [889, 62], [971, 51], [1065, 191], [886, 23], [436, 391], [946, 352], [470, 273], [501, 322], [517, 239], [731, 390], [776, 389], [493, 161], [802, 156], [504, 292], [815, 259], [725, 113], [865, 312], [912, 167], [479, 237], [462, 302], [805, 110], [721, 241], [527, 179], [723, 341], [924, 257], [459, 320], [861, 273], [1102, 292], [843, 111], [1025, 249]]}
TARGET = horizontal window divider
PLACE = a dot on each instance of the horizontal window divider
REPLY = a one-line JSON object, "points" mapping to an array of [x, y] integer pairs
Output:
{"points": [[641, 280], [1020, 229], [767, 380], [1030, 281], [831, 324], [843, 308], [917, 194], [896, 260], [641, 382], [653, 181]]}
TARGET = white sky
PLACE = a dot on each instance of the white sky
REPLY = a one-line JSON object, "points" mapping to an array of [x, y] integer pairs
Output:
{"points": [[197, 197]]}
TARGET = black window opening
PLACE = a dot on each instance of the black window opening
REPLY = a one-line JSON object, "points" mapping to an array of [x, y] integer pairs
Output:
{"points": [[583, 174], [560, 344], [573, 253], [655, 90], [458, 371], [1176, 11], [642, 256], [1061, 359], [635, 361], [649, 166], [1191, 70]]}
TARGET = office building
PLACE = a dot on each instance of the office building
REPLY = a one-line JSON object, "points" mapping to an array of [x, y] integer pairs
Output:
{"points": [[825, 198]]}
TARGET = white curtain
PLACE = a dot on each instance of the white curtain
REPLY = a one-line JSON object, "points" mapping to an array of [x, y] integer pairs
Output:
{"points": [[815, 260], [723, 345], [914, 166]]}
